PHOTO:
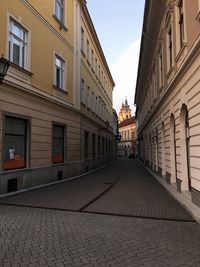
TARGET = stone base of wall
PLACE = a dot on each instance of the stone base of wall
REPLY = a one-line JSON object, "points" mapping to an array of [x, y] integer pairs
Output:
{"points": [[195, 196], [26, 178], [168, 177]]}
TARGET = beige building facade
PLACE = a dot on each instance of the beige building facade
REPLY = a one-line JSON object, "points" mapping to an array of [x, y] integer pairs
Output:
{"points": [[167, 94], [47, 133]]}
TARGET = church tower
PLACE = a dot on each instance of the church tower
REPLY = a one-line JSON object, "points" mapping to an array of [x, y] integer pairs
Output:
{"points": [[125, 111]]}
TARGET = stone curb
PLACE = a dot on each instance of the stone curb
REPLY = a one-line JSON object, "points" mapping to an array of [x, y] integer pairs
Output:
{"points": [[192, 209], [56, 182]]}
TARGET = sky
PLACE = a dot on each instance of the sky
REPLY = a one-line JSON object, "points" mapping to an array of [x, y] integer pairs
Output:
{"points": [[119, 25]]}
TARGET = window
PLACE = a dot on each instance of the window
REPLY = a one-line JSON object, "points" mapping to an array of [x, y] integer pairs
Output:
{"points": [[82, 91], [15, 144], [161, 74], [86, 137], [58, 144], [82, 40], [103, 146], [59, 72], [59, 10], [96, 106], [99, 73], [88, 97], [92, 54], [96, 66], [93, 102], [99, 146], [181, 23], [170, 48], [88, 50], [18, 44], [93, 145], [155, 93]]}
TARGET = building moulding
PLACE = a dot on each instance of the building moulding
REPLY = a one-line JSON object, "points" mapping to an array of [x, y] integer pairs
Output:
{"points": [[186, 63]]}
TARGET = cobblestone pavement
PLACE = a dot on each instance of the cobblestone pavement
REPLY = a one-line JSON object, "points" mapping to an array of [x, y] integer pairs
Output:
{"points": [[33, 236], [135, 193], [42, 237], [139, 194]]}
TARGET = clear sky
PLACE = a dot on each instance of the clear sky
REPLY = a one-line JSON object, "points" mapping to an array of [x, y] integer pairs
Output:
{"points": [[118, 25]]}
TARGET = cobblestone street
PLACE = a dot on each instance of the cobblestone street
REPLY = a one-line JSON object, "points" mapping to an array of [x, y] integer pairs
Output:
{"points": [[118, 216]]}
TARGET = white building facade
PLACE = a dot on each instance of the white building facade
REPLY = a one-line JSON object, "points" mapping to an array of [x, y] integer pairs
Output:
{"points": [[168, 94]]}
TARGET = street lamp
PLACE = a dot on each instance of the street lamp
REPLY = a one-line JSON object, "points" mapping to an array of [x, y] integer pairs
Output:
{"points": [[4, 65]]}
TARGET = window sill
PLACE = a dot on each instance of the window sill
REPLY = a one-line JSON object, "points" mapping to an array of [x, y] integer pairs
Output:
{"points": [[58, 163], [61, 24], [21, 69], [59, 89]]}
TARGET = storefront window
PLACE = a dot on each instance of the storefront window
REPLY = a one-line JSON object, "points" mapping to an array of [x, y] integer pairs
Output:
{"points": [[15, 143], [58, 144]]}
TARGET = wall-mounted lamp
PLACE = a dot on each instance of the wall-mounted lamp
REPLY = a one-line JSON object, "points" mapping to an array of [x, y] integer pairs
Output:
{"points": [[4, 65]]}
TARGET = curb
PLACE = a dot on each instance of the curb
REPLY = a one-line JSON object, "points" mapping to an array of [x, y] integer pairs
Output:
{"points": [[192, 209], [56, 182]]}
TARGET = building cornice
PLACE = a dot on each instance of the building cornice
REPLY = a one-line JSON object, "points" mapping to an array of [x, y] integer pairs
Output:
{"points": [[148, 41], [96, 39]]}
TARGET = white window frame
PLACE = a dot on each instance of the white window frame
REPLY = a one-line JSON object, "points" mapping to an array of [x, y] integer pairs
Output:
{"points": [[63, 72], [23, 43], [62, 8]]}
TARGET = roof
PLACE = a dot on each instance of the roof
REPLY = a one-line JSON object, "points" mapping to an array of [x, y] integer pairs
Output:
{"points": [[127, 122]]}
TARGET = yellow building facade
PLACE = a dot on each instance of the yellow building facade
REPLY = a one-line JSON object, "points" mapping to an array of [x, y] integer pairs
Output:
{"points": [[42, 120]]}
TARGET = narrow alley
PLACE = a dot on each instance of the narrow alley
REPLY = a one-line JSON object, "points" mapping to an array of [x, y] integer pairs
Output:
{"points": [[118, 216]]}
